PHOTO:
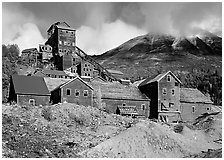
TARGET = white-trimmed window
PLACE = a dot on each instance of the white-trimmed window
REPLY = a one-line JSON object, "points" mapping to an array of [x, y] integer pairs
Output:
{"points": [[208, 108], [164, 91], [65, 50], [143, 107], [77, 93], [68, 91], [85, 93], [32, 102], [60, 50], [193, 109], [168, 78], [172, 92]]}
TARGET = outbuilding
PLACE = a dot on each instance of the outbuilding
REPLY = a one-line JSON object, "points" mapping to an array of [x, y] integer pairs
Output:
{"points": [[28, 90]]}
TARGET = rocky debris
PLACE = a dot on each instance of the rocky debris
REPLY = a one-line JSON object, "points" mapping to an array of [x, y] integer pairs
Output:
{"points": [[211, 153], [60, 130]]}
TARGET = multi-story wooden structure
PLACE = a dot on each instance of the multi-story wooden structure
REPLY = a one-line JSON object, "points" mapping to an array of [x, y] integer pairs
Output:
{"points": [[62, 39], [45, 53], [164, 92], [30, 56]]}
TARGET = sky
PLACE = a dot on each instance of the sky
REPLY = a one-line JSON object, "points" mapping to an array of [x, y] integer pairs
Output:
{"points": [[104, 26]]}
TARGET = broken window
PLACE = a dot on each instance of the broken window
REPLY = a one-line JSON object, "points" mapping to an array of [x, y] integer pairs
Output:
{"points": [[143, 107], [32, 102], [164, 91], [77, 92], [173, 92], [168, 78], [85, 93], [68, 92], [193, 109]]}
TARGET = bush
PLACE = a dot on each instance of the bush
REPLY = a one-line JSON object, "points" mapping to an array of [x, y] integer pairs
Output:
{"points": [[178, 128], [47, 113]]}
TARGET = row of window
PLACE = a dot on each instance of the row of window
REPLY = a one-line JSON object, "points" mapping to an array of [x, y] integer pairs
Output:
{"points": [[193, 109], [68, 32], [77, 92], [66, 43], [87, 69], [87, 74], [142, 106], [164, 91], [59, 76]]}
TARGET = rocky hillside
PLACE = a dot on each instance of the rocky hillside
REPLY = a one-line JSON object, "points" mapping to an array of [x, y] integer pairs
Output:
{"points": [[152, 53], [68, 130]]}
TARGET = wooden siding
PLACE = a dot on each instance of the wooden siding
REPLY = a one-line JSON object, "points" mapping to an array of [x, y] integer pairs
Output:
{"points": [[168, 101], [111, 105], [39, 100], [187, 113], [81, 99]]}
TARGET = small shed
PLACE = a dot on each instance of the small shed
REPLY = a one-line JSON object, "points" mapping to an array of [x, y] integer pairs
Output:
{"points": [[193, 103], [28, 90]]}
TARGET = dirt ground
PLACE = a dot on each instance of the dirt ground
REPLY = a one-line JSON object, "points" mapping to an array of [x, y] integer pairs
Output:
{"points": [[69, 130]]}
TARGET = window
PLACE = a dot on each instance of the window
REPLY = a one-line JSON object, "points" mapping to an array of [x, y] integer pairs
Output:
{"points": [[171, 105], [87, 69], [168, 78], [208, 108], [164, 91], [124, 104], [85, 93], [85, 74], [65, 50], [143, 107], [73, 43], [84, 69], [60, 42], [176, 84], [89, 74], [77, 92], [32, 102], [193, 109], [68, 92], [173, 92]]}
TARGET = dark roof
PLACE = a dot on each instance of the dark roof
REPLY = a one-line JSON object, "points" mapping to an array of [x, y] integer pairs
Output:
{"points": [[29, 85], [157, 78], [54, 72], [116, 90], [193, 95], [62, 25]]}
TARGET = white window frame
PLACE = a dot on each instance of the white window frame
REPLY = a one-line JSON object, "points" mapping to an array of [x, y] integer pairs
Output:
{"points": [[77, 91], [87, 92], [168, 78], [164, 91], [34, 102], [143, 107], [173, 92], [67, 91]]}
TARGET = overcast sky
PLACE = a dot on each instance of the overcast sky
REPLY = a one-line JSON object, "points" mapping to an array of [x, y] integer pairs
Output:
{"points": [[103, 26]]}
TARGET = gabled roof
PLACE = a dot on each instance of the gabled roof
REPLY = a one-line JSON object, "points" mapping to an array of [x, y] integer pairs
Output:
{"points": [[157, 78], [193, 95], [62, 25], [29, 85], [115, 90], [74, 80], [54, 72], [112, 71]]}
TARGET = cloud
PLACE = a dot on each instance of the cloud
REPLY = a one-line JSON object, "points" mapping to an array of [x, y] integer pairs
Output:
{"points": [[19, 27], [108, 36]]}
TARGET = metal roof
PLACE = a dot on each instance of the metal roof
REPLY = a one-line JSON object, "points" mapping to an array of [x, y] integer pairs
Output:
{"points": [[29, 85], [193, 95]]}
